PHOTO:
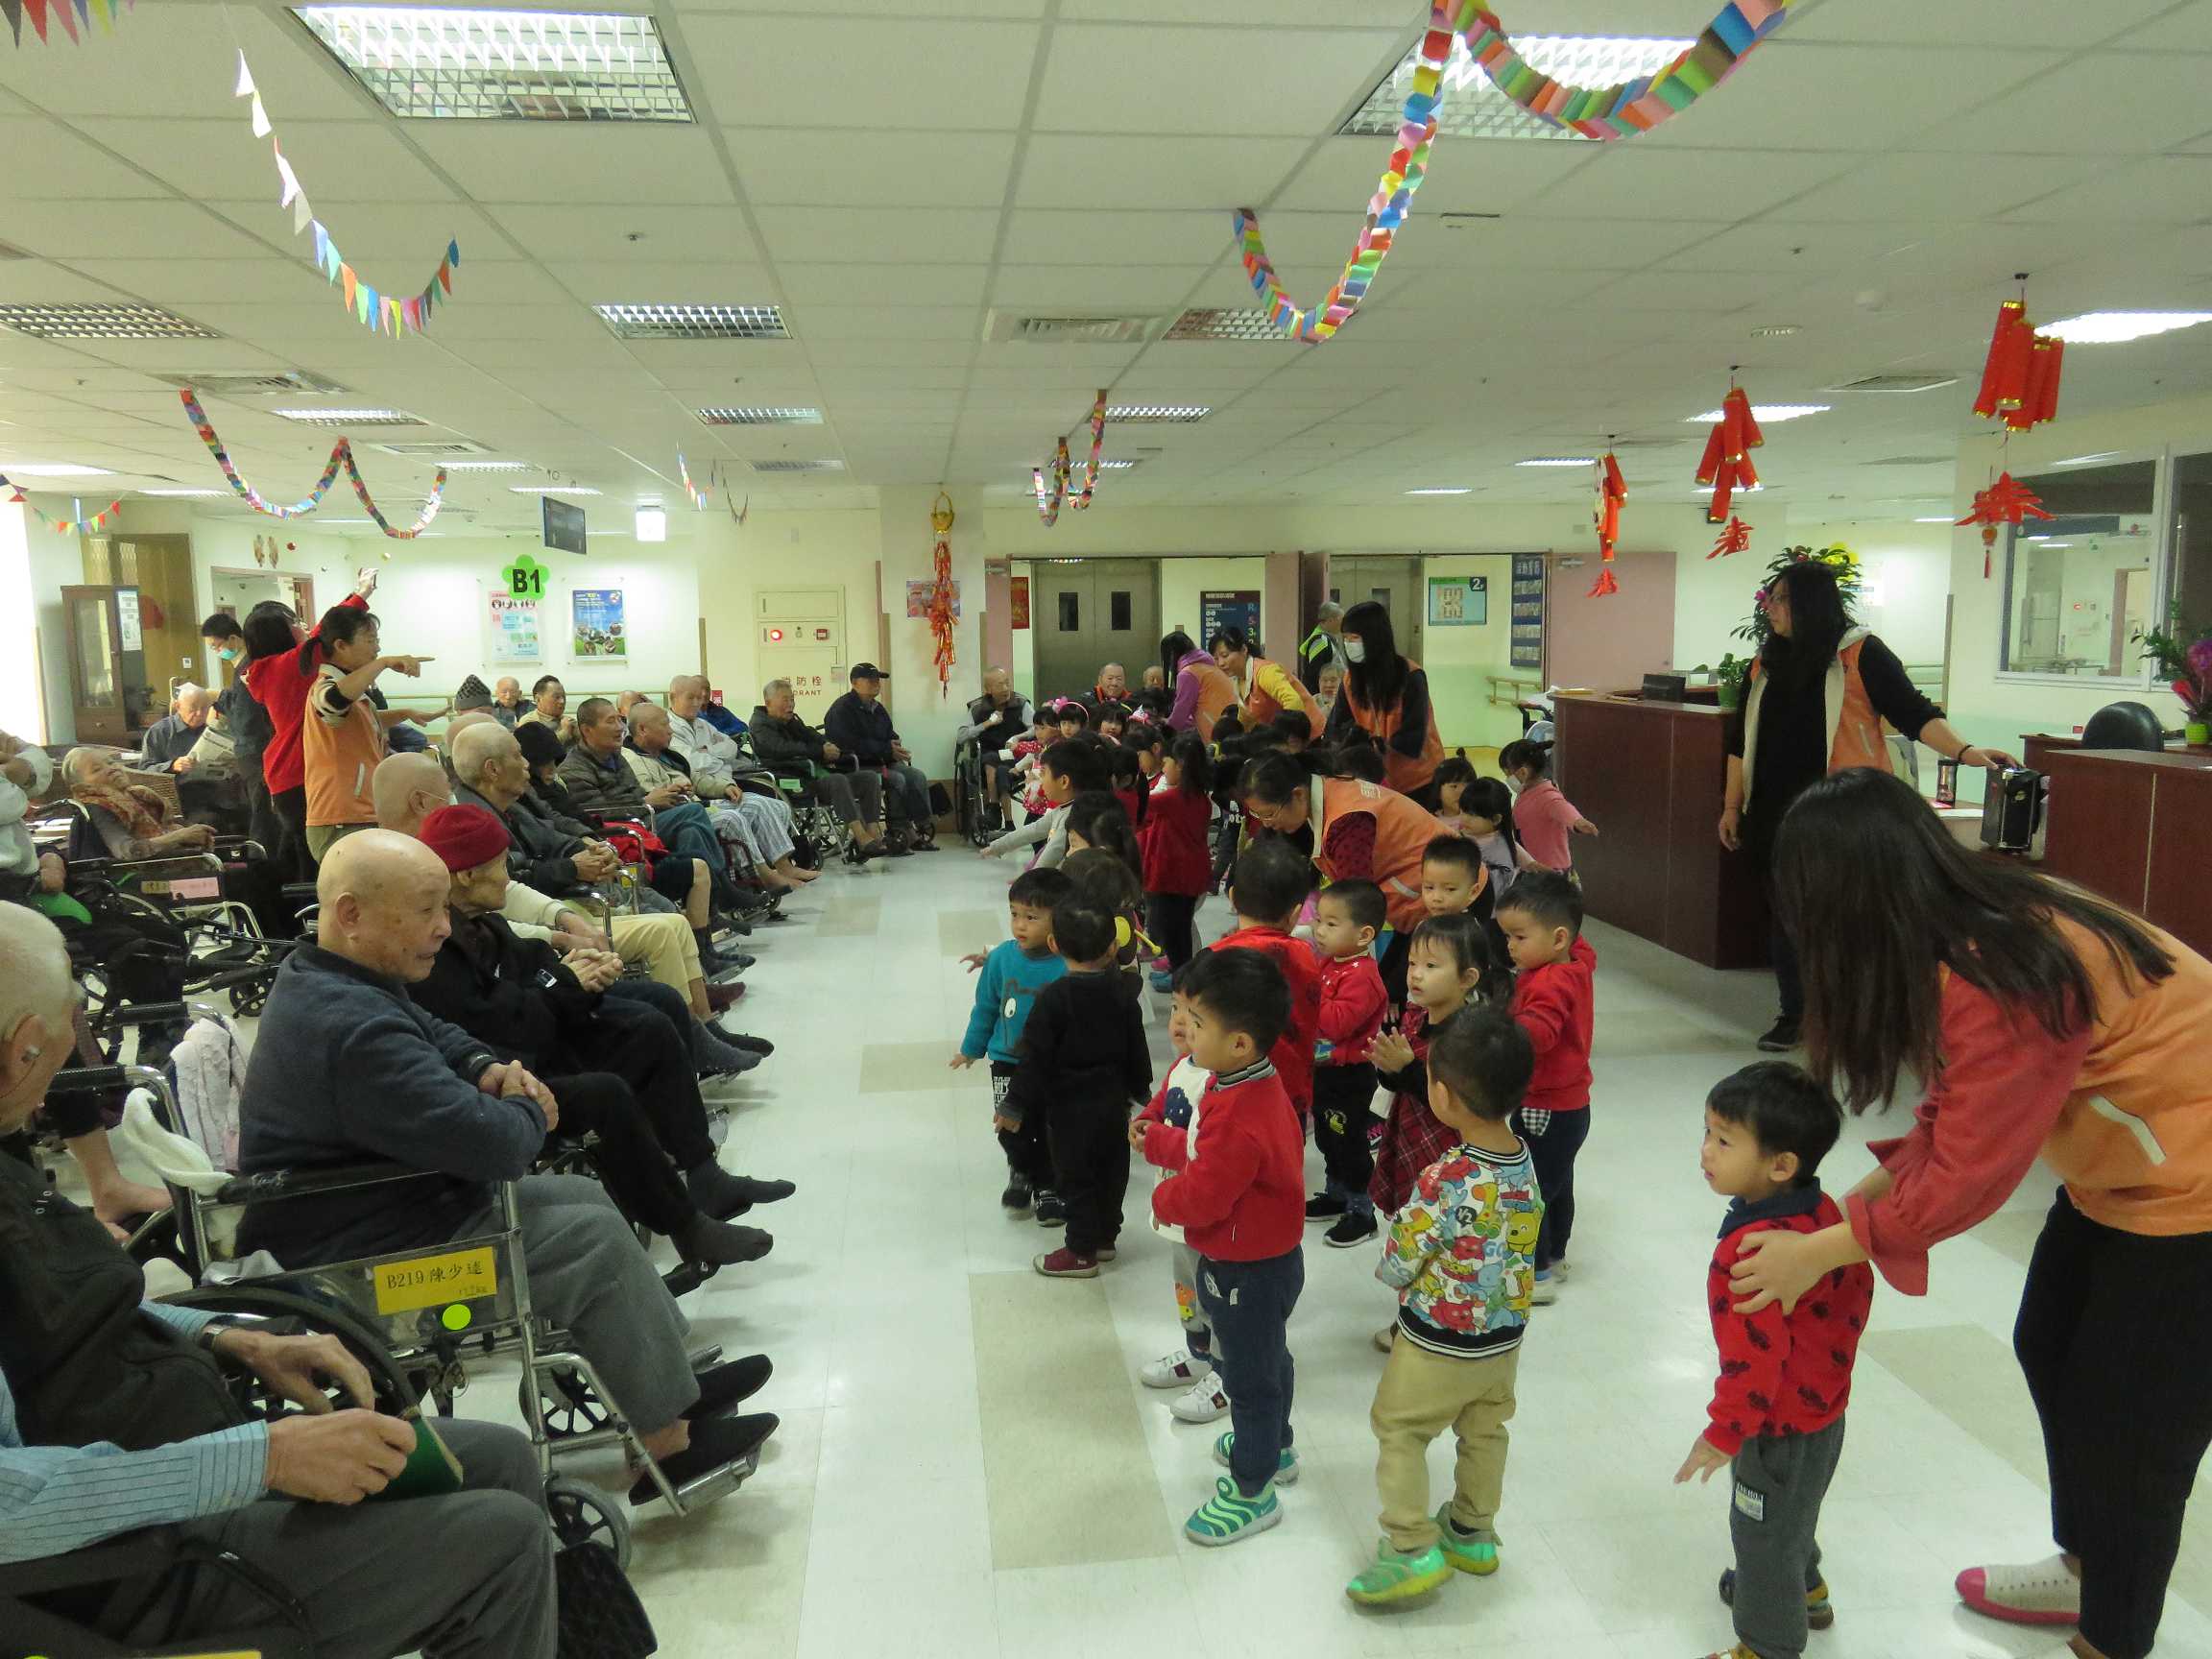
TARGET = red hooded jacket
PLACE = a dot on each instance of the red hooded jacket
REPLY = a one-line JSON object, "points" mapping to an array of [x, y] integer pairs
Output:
{"points": [[1553, 1005], [1243, 1197], [1293, 1050]]}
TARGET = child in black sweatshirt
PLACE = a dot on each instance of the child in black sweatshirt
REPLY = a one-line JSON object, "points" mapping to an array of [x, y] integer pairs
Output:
{"points": [[1084, 1064]]}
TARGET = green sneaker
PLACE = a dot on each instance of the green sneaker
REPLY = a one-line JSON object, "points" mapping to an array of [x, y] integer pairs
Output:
{"points": [[1477, 1554], [1286, 1465], [1228, 1515], [1398, 1577]]}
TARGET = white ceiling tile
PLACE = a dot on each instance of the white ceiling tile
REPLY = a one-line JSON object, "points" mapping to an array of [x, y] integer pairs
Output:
{"points": [[92, 230], [2186, 29], [2078, 110], [892, 285], [1049, 236], [814, 323], [1341, 14], [928, 234], [174, 60], [2164, 189], [838, 167], [35, 281], [1926, 185], [874, 8], [1128, 171], [1465, 175], [1894, 23], [1117, 288], [1269, 81], [336, 161], [633, 235], [1632, 183], [49, 162], [641, 164], [646, 281], [806, 71], [186, 281], [412, 235]]}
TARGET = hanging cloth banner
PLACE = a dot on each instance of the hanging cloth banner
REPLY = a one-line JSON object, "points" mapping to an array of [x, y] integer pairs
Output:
{"points": [[86, 12], [341, 455], [1050, 500], [1603, 113], [385, 313]]}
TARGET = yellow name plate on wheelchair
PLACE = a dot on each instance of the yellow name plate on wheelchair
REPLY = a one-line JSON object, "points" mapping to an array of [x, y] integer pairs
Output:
{"points": [[429, 1281]]}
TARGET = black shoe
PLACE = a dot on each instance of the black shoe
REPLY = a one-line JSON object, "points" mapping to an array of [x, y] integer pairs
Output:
{"points": [[1051, 1209], [1781, 1036], [1350, 1230], [716, 1443], [1324, 1207], [1016, 1196], [857, 854], [928, 844], [721, 1386], [759, 1045], [895, 849], [720, 1243]]}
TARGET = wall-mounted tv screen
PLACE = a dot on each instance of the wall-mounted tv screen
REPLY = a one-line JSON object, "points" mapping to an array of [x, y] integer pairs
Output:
{"points": [[564, 525]]}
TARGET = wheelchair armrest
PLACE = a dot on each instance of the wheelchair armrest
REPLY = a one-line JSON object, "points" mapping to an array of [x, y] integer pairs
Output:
{"points": [[269, 1185], [95, 1079], [126, 1556]]}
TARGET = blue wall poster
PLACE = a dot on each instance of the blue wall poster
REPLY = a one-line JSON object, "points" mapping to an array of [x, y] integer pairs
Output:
{"points": [[596, 627]]}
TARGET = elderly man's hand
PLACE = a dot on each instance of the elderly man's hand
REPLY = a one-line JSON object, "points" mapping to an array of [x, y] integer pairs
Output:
{"points": [[668, 795], [588, 933], [900, 751], [182, 764], [53, 873], [830, 752], [292, 1365], [337, 1457], [510, 1080], [594, 970], [597, 861]]}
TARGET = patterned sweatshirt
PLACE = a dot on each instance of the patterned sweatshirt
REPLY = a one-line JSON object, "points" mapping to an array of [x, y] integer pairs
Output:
{"points": [[1176, 1105], [1461, 1253]]}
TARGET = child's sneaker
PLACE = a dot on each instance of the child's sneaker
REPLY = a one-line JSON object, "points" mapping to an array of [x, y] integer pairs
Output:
{"points": [[1228, 1515], [1105, 1253], [1016, 1196], [1176, 1370], [1350, 1230], [1065, 1264], [1324, 1207], [1546, 1289], [1387, 1337], [1163, 979], [1819, 1611], [1374, 1131], [1051, 1209], [1206, 1401], [2037, 1593], [1398, 1577], [1286, 1461], [1475, 1552]]}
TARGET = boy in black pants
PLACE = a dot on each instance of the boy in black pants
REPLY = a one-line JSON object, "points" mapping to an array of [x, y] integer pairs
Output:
{"points": [[1353, 1006], [1084, 1064]]}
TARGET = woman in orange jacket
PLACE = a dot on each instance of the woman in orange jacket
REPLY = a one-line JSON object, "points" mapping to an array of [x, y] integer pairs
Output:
{"points": [[2043, 1023], [1263, 688], [1386, 696]]}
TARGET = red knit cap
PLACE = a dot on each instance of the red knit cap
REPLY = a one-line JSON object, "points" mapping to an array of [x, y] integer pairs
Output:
{"points": [[465, 836]]}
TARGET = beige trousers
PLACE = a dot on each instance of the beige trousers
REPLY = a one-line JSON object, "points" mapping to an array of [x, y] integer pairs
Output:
{"points": [[664, 943], [1421, 1395]]}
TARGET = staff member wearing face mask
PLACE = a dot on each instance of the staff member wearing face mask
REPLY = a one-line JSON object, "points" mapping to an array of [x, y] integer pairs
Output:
{"points": [[1386, 696], [244, 720]]}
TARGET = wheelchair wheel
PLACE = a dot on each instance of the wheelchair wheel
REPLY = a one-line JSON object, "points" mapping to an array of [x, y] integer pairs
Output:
{"points": [[582, 1514], [566, 1403], [248, 1001]]}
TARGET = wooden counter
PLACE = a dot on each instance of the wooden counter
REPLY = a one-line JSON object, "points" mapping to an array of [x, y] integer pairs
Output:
{"points": [[2037, 747], [1651, 775], [2131, 824]]}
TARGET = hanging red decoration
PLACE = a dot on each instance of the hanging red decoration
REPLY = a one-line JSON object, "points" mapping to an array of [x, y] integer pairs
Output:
{"points": [[1727, 464], [1733, 538], [1604, 584], [2020, 377], [942, 591], [2007, 501], [1612, 491]]}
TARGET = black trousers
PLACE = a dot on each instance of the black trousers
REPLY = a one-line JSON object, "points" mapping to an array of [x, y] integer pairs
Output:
{"points": [[261, 821], [1342, 1095], [1027, 1153], [2116, 1351], [636, 1038], [1759, 831], [1248, 1304], [1090, 1142], [627, 1154], [294, 862], [1552, 1152], [1170, 919], [1393, 966]]}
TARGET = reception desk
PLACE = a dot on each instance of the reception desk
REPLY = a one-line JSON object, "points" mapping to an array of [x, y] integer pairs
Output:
{"points": [[1651, 776], [2131, 824]]}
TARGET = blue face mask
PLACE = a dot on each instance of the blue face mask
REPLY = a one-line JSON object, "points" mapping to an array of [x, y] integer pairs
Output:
{"points": [[228, 653]]}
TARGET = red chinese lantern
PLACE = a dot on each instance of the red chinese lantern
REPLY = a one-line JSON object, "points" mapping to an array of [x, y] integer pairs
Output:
{"points": [[2020, 376]]}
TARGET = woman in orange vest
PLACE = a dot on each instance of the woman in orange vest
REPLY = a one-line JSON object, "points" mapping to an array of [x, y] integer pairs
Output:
{"points": [[1263, 690], [342, 732], [1386, 696], [2043, 1023], [1201, 690], [1813, 702]]}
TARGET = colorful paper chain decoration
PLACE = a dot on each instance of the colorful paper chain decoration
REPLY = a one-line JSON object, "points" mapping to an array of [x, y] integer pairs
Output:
{"points": [[370, 308], [2007, 501], [64, 526], [1612, 491], [697, 494], [86, 12], [1733, 538], [1050, 500], [1604, 113], [941, 517], [1727, 464], [341, 455], [2020, 378]]}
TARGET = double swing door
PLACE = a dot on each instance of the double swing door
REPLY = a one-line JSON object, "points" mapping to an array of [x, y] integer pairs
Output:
{"points": [[1087, 612]]}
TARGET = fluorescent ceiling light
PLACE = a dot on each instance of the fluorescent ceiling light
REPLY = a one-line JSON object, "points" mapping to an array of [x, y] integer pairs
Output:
{"points": [[1559, 461], [1171, 413], [486, 466], [1207, 323], [1116, 466], [2118, 327], [1766, 414], [442, 62], [57, 469], [783, 417], [1470, 105], [183, 494], [551, 490], [1452, 490], [1938, 521], [101, 322], [652, 523], [350, 417], [693, 321]]}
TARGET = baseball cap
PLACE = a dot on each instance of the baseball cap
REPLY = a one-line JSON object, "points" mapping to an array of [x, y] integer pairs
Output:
{"points": [[867, 671]]}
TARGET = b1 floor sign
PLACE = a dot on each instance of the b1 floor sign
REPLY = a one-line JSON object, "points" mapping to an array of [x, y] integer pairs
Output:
{"points": [[799, 636]]}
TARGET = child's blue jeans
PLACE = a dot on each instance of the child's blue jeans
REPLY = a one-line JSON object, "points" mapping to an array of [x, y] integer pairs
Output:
{"points": [[1248, 1304]]}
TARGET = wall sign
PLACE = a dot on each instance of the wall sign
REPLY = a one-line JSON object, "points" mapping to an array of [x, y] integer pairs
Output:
{"points": [[1223, 608], [1527, 646], [1458, 601], [1017, 601], [524, 579], [517, 628], [596, 627]]}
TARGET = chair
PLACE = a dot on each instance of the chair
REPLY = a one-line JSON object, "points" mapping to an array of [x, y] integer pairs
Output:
{"points": [[2123, 726]]}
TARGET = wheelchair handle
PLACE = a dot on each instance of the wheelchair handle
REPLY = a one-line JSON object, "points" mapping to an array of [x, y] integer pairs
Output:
{"points": [[148, 1014], [271, 1185]]}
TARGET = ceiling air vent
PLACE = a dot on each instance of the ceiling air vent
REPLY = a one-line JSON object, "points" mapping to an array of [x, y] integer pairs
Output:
{"points": [[1896, 383], [1067, 329], [1209, 324], [436, 450], [291, 384], [101, 322], [798, 465]]}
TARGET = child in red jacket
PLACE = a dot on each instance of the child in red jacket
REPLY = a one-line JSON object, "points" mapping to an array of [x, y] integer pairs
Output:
{"points": [[1777, 1410], [1347, 918], [1178, 866], [1239, 1199], [1269, 886], [1553, 994]]}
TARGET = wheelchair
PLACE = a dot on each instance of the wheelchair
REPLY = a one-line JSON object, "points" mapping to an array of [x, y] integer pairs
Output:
{"points": [[815, 819], [970, 799]]}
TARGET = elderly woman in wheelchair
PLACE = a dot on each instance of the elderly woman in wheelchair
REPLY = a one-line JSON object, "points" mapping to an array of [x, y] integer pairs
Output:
{"points": [[121, 819]]}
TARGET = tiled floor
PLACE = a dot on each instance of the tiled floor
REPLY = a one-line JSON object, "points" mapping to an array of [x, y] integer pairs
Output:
{"points": [[968, 1466]]}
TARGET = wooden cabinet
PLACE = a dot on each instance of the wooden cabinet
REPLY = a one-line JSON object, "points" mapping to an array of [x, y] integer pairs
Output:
{"points": [[2130, 825], [107, 664]]}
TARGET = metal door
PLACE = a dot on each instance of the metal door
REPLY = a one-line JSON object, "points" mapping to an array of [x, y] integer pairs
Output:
{"points": [[1396, 580], [1087, 612]]}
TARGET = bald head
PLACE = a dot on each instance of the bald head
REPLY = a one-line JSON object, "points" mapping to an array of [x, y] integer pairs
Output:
{"points": [[36, 999], [649, 727], [406, 788], [483, 744], [382, 898], [469, 717]]}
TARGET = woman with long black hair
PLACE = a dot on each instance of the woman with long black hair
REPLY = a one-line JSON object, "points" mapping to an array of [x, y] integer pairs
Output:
{"points": [[1386, 696], [1813, 702], [1201, 690], [2043, 1023], [279, 682]]}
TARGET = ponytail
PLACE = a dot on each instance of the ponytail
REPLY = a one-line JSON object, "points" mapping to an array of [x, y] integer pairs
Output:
{"points": [[1521, 752], [340, 624]]}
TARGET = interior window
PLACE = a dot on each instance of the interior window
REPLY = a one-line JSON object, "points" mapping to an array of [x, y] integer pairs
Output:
{"points": [[2079, 585], [1071, 613]]}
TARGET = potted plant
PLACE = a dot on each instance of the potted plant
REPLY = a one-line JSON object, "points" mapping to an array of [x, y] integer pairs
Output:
{"points": [[1840, 558], [2185, 664], [1728, 679]]}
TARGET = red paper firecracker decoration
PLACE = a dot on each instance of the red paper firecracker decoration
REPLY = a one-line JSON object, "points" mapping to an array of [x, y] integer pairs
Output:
{"points": [[941, 592], [1604, 584], [1733, 538], [1605, 514], [1727, 464], [2020, 377], [2007, 501]]}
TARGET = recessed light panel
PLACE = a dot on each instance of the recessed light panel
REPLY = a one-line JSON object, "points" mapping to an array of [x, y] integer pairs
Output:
{"points": [[350, 417], [1165, 412], [2118, 327], [444, 63], [1766, 414], [1452, 490], [1470, 105], [1558, 461], [184, 495], [550, 490], [822, 466], [485, 466], [52, 470], [1214, 325], [724, 416], [694, 321], [101, 322]]}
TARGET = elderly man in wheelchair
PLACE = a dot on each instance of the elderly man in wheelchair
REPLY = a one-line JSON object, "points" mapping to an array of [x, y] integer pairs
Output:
{"points": [[345, 1067], [115, 1417]]}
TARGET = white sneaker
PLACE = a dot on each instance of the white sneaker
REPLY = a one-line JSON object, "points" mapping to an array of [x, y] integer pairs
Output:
{"points": [[1176, 1370], [1207, 1399], [2029, 1593], [1546, 1290]]}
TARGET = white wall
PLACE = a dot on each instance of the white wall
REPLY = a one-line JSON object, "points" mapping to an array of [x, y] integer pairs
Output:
{"points": [[1461, 660], [1183, 581], [34, 566]]}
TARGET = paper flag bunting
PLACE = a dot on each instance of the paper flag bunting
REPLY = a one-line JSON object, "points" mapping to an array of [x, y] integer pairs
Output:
{"points": [[1050, 500], [64, 526], [341, 455], [1604, 113], [385, 313], [88, 11], [697, 494]]}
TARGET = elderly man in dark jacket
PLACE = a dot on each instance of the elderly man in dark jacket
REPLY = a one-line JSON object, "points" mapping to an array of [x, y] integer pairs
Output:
{"points": [[346, 1068], [787, 743], [860, 725]]}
